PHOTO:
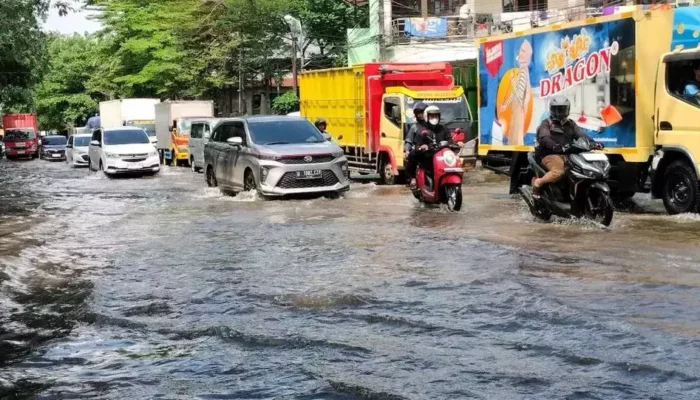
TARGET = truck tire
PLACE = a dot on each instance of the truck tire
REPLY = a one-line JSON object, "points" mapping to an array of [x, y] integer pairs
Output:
{"points": [[385, 174], [681, 190]]}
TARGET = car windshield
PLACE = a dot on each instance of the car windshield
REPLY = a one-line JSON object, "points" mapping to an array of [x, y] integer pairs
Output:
{"points": [[19, 134], [451, 110], [82, 130], [131, 136], [82, 141], [291, 131], [53, 140]]}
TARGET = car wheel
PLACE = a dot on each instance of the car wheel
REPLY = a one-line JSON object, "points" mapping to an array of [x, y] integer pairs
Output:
{"points": [[249, 181], [211, 177], [681, 193]]}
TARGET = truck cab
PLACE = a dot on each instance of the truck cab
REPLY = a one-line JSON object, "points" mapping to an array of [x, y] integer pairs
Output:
{"points": [[675, 169], [397, 118]]}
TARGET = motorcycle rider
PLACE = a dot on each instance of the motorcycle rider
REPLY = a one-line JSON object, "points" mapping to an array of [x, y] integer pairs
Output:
{"points": [[553, 135], [321, 125], [435, 133], [409, 152]]}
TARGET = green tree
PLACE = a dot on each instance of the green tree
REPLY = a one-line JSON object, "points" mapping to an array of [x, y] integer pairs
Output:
{"points": [[22, 52], [285, 103], [63, 98]]}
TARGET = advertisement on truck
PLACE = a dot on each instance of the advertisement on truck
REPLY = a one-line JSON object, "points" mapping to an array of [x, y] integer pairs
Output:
{"points": [[592, 66]]}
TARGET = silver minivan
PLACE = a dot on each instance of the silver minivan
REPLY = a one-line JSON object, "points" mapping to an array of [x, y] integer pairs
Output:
{"points": [[200, 132], [275, 155]]}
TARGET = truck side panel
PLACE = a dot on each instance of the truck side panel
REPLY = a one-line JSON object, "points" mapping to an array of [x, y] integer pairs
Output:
{"points": [[163, 124], [592, 65], [336, 95], [139, 109], [111, 114]]}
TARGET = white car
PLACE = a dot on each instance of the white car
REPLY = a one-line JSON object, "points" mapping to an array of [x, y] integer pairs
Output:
{"points": [[123, 150], [77, 150]]}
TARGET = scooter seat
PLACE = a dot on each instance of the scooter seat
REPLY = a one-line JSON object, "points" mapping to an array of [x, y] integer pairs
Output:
{"points": [[534, 163]]}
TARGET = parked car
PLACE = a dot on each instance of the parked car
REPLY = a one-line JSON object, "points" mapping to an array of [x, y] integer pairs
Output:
{"points": [[123, 150], [275, 155], [53, 148], [77, 150], [200, 131]]}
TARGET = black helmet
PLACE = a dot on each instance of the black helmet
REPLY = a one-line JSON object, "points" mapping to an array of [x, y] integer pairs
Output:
{"points": [[319, 122], [419, 108], [559, 108]]}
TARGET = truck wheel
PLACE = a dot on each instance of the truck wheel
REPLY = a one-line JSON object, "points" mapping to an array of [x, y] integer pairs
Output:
{"points": [[385, 174], [681, 193]]}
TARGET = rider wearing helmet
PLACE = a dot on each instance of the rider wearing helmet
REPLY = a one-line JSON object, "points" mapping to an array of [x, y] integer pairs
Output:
{"points": [[321, 125], [409, 141], [435, 133], [553, 135]]}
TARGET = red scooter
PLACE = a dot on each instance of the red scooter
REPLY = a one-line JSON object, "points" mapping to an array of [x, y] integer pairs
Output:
{"points": [[445, 184]]}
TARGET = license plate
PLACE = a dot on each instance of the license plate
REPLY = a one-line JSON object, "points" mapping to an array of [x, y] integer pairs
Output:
{"points": [[20, 145], [20, 151], [55, 155], [133, 167], [310, 174]]}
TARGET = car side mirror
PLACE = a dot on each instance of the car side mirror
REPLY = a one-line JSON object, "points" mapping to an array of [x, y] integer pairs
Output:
{"points": [[395, 113], [96, 143], [327, 137], [69, 146], [235, 141]]}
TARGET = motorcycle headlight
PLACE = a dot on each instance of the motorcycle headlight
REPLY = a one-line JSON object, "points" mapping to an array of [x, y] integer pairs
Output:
{"points": [[449, 158]]}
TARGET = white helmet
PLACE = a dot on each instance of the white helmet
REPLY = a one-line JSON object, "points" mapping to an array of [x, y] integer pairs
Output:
{"points": [[433, 111]]}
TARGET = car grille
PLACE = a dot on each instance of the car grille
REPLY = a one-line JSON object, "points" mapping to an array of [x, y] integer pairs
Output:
{"points": [[139, 159], [85, 157], [55, 151], [317, 159], [140, 155], [289, 181]]}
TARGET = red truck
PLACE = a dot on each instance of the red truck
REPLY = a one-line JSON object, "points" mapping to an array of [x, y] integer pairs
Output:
{"points": [[21, 136]]}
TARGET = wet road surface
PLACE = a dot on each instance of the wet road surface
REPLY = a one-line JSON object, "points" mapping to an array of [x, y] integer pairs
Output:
{"points": [[163, 288]]}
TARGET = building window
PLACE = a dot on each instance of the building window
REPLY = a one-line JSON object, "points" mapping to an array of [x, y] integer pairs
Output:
{"points": [[524, 5]]}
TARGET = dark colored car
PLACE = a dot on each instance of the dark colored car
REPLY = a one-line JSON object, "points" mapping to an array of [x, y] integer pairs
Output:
{"points": [[53, 148]]}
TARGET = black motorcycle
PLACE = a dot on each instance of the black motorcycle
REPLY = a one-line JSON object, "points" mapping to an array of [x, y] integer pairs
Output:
{"points": [[584, 191]]}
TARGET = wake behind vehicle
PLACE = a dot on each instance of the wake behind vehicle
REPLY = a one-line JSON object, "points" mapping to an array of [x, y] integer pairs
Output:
{"points": [[123, 150], [53, 148], [582, 193], [77, 150], [444, 184], [277, 156]]}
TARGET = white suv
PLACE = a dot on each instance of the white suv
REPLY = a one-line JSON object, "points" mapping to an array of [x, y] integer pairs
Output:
{"points": [[123, 150]]}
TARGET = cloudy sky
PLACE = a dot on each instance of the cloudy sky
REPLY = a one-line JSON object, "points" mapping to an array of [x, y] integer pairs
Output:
{"points": [[72, 23]]}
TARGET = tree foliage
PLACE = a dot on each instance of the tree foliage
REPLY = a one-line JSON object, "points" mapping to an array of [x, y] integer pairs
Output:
{"points": [[285, 103], [64, 96], [180, 49]]}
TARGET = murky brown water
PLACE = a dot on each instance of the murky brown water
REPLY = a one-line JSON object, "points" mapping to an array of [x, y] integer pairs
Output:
{"points": [[163, 288]]}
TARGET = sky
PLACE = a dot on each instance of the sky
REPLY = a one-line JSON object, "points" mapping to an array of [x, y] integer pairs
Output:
{"points": [[74, 22]]}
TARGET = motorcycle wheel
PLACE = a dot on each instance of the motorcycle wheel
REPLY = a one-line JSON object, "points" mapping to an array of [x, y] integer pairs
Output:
{"points": [[453, 197], [599, 207]]}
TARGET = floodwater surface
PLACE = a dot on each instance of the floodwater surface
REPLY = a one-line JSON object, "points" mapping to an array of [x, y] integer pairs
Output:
{"points": [[160, 287]]}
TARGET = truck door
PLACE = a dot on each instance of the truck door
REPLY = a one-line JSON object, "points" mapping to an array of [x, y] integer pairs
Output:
{"points": [[391, 127], [677, 123]]}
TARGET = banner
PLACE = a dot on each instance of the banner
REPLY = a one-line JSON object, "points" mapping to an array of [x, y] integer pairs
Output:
{"points": [[427, 27], [593, 66]]}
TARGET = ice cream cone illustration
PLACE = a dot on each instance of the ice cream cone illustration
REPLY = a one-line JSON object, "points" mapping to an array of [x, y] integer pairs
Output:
{"points": [[519, 101]]}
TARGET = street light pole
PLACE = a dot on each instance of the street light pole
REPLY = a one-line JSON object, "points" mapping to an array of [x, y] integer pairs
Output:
{"points": [[296, 31], [294, 63]]}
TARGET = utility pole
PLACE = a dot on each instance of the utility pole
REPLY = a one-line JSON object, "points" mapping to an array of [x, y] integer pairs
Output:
{"points": [[294, 63], [424, 8], [240, 81]]}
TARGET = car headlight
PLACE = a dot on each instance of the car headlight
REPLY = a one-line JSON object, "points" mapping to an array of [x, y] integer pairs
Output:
{"points": [[111, 155], [337, 154], [153, 153], [449, 158]]}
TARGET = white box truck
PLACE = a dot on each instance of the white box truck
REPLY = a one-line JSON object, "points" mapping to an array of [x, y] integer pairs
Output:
{"points": [[130, 112], [173, 127]]}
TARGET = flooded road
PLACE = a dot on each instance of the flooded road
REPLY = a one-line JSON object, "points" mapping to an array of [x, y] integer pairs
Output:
{"points": [[163, 288]]}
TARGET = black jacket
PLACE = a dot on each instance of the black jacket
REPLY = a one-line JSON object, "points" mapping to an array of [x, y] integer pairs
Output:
{"points": [[413, 132], [434, 134], [552, 136]]}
